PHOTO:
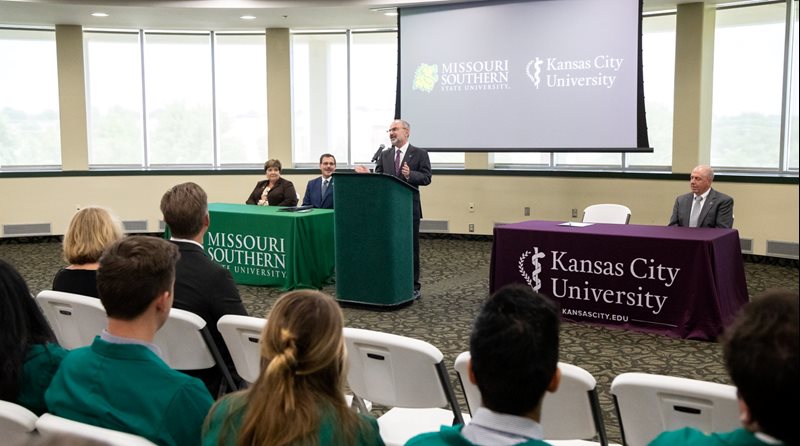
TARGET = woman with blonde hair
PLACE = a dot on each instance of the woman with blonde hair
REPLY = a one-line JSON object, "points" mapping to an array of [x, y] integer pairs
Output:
{"points": [[90, 231], [299, 397]]}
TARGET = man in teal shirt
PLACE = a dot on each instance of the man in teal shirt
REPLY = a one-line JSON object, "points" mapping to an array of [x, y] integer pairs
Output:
{"points": [[761, 355], [120, 382], [514, 361]]}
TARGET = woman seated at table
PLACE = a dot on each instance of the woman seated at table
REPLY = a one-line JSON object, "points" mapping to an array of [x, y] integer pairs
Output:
{"points": [[29, 354], [90, 231], [274, 191], [299, 396]]}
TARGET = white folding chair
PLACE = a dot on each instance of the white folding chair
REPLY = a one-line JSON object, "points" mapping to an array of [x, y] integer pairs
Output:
{"points": [[186, 344], [405, 374], [52, 425], [607, 213], [569, 415], [649, 404], [16, 420], [242, 335], [75, 319]]}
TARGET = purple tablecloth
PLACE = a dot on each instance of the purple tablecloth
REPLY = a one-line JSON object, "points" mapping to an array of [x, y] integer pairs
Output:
{"points": [[682, 282]]}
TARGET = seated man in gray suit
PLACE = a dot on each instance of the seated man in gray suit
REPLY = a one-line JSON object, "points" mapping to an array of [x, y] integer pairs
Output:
{"points": [[704, 207]]}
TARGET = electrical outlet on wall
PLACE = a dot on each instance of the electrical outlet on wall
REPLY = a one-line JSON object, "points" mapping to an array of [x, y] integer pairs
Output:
{"points": [[526, 211], [471, 227], [574, 212], [472, 207]]}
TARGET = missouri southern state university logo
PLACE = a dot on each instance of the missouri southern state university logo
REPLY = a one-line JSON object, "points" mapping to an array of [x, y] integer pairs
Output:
{"points": [[425, 77], [532, 279], [533, 70]]}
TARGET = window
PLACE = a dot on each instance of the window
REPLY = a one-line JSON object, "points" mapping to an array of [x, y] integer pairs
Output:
{"points": [[241, 96], [29, 113], [792, 137], [658, 66], [200, 110], [748, 79], [114, 88], [319, 97]]}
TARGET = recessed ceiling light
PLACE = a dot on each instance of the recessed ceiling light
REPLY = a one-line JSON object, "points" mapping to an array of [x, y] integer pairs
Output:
{"points": [[248, 17], [99, 14], [390, 13]]}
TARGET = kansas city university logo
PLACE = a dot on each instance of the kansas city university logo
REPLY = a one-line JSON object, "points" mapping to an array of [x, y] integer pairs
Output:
{"points": [[537, 70], [533, 279]]}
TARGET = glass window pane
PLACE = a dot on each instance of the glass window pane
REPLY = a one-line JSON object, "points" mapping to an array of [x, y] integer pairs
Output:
{"points": [[319, 97], [748, 75], [794, 85], [373, 75], [114, 88], [658, 66], [588, 159], [241, 90], [178, 94], [29, 115]]}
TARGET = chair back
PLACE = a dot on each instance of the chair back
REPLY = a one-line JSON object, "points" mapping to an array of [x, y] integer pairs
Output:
{"points": [[471, 392], [15, 419], [242, 335], [57, 427], [607, 213], [571, 413], [649, 404], [406, 374], [75, 319]]}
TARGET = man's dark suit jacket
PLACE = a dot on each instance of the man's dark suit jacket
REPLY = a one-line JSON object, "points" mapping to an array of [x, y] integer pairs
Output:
{"points": [[717, 211], [283, 194], [314, 197], [418, 163], [207, 290]]}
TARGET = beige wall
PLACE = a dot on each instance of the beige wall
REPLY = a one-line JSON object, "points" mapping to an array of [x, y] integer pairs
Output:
{"points": [[763, 211]]}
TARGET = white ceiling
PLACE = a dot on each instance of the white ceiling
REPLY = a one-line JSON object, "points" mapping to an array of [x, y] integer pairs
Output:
{"points": [[221, 15]]}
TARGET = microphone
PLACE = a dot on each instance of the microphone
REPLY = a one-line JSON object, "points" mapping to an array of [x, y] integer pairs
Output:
{"points": [[378, 153]]}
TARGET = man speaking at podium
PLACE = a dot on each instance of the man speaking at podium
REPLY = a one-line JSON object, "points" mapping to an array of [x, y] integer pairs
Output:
{"points": [[412, 165]]}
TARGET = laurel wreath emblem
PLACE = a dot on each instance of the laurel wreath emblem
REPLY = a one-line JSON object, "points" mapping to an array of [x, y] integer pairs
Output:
{"points": [[522, 268]]}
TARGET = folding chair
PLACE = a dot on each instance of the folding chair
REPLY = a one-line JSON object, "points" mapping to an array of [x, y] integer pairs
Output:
{"points": [[569, 416], [75, 319], [242, 335], [52, 425], [16, 420], [186, 344], [607, 213], [406, 374], [649, 404]]}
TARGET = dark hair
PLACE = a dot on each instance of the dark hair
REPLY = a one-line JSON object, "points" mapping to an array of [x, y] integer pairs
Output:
{"points": [[514, 340], [21, 325], [761, 355], [327, 155], [133, 272], [272, 163], [184, 207]]}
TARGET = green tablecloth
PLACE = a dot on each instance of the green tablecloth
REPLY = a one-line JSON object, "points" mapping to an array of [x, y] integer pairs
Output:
{"points": [[263, 246]]}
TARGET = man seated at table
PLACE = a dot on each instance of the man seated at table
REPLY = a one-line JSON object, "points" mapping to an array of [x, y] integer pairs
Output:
{"points": [[319, 191], [514, 361], [201, 286], [120, 382], [704, 207], [761, 354]]}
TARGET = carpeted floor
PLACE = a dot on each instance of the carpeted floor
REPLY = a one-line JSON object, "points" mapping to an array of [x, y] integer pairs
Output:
{"points": [[455, 280]]}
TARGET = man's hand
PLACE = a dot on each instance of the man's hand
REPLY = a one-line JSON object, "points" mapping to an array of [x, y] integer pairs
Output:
{"points": [[405, 170], [361, 169]]}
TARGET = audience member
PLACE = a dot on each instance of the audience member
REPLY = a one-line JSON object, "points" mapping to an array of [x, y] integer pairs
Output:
{"points": [[120, 382], [274, 191], [514, 350], [89, 232], [29, 354], [761, 354], [201, 286], [299, 396], [319, 191], [704, 207]]}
